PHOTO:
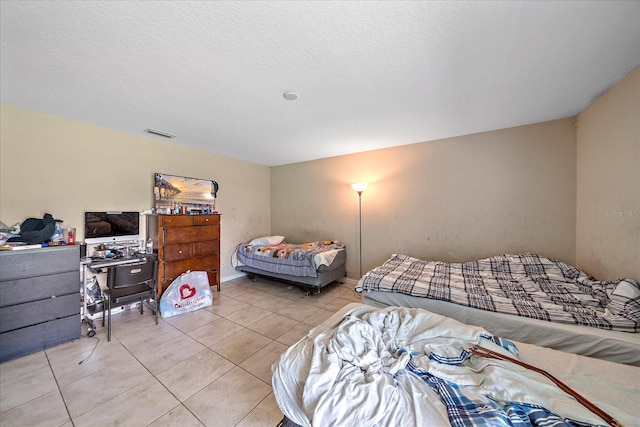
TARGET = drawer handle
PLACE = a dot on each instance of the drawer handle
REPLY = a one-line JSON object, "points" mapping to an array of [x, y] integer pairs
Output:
{"points": [[53, 296], [179, 252]]}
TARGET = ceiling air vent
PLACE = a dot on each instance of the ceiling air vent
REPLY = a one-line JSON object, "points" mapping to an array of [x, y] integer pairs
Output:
{"points": [[160, 133]]}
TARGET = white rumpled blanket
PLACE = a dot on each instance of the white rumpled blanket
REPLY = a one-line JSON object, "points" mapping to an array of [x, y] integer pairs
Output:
{"points": [[347, 372], [325, 257]]}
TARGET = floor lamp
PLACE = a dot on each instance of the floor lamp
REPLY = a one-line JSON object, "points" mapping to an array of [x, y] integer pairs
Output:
{"points": [[359, 187]]}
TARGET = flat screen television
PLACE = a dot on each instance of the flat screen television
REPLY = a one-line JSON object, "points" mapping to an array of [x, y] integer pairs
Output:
{"points": [[111, 226]]}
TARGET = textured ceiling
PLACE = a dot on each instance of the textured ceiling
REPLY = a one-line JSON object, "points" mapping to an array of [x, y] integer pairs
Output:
{"points": [[369, 74]]}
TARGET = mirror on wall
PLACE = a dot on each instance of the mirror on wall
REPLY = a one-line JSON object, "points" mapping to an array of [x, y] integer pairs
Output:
{"points": [[183, 195]]}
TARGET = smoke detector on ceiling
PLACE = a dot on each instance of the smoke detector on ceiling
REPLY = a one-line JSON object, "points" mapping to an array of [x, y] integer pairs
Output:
{"points": [[290, 95]]}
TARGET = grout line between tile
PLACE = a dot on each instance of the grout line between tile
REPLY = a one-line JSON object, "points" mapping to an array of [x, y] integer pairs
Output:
{"points": [[263, 291]]}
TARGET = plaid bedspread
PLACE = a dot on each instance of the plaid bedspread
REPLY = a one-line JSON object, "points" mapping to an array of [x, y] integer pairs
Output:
{"points": [[286, 258], [525, 285]]}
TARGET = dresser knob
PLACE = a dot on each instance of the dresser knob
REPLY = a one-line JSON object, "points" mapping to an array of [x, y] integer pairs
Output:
{"points": [[179, 252]]}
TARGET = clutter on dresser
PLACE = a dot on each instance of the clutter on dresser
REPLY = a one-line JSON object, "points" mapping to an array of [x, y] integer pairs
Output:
{"points": [[36, 233]]}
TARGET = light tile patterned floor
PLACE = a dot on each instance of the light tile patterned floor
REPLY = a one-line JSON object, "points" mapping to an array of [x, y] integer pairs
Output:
{"points": [[211, 367]]}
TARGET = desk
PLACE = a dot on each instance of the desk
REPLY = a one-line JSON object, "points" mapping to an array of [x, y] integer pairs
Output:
{"points": [[101, 266]]}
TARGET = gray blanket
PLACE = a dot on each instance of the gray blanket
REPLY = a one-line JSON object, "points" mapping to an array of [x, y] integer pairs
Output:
{"points": [[286, 258]]}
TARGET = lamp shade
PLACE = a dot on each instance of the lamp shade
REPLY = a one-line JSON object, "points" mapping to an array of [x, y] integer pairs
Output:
{"points": [[360, 186]]}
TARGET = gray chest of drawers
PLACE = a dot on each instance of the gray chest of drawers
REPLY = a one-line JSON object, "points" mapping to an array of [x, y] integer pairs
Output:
{"points": [[39, 299]]}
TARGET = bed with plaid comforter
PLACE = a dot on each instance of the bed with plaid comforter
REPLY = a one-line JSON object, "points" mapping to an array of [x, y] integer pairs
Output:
{"points": [[525, 285]]}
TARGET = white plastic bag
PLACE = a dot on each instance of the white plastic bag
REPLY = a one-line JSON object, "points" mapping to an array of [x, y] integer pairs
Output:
{"points": [[189, 292]]}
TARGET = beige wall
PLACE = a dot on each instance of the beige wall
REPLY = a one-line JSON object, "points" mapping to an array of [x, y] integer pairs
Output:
{"points": [[546, 188], [65, 167], [506, 191], [608, 196]]}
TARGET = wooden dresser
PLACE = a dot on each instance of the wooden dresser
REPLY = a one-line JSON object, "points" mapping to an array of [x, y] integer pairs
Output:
{"points": [[185, 242], [39, 299]]}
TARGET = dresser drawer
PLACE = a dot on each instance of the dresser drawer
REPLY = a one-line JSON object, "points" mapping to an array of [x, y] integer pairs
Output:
{"points": [[176, 220], [177, 252], [208, 232], [31, 313], [20, 342], [191, 234], [212, 275], [184, 251], [205, 263], [206, 219], [176, 268], [38, 262], [209, 247], [40, 287]]}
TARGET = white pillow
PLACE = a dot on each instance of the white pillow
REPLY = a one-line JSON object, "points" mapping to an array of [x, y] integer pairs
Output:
{"points": [[267, 241], [625, 301]]}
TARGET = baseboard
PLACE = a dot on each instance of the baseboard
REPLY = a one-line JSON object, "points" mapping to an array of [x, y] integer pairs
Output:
{"points": [[232, 277]]}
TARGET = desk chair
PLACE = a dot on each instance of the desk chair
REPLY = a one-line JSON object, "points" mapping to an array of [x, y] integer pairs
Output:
{"points": [[128, 283]]}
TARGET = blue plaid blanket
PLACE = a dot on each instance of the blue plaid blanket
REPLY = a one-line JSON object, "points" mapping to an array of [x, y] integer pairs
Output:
{"points": [[464, 411]]}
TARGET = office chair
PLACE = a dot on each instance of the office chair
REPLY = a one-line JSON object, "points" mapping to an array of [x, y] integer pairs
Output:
{"points": [[127, 283]]}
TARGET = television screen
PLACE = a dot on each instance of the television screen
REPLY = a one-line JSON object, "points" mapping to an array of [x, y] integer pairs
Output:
{"points": [[107, 226]]}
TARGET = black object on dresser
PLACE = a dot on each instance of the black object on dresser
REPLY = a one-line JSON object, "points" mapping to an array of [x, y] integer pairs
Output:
{"points": [[39, 299]]}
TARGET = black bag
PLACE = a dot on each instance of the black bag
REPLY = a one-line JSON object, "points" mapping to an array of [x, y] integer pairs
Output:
{"points": [[34, 230]]}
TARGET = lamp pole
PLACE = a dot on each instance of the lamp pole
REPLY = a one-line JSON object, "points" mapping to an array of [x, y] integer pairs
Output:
{"points": [[360, 226], [359, 188]]}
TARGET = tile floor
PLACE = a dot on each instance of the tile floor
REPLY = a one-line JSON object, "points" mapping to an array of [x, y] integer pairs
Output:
{"points": [[211, 367]]}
